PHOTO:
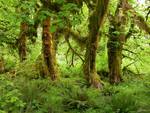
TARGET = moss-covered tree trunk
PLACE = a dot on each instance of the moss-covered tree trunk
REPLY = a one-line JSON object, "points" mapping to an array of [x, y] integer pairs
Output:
{"points": [[115, 47], [95, 22], [22, 40], [2, 67], [116, 40], [49, 50]]}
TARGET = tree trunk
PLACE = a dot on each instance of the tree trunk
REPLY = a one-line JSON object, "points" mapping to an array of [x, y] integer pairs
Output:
{"points": [[90, 61], [22, 41], [49, 50], [2, 67], [95, 22], [115, 47], [116, 41]]}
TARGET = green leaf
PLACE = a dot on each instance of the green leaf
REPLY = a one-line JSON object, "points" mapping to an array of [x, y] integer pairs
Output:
{"points": [[53, 28]]}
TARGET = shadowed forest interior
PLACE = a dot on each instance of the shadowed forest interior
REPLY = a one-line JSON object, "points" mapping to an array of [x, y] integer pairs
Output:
{"points": [[74, 56]]}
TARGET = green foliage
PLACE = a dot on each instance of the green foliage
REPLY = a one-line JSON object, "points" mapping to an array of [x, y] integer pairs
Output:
{"points": [[127, 97], [112, 7], [38, 95], [23, 90], [102, 58], [125, 102], [10, 96], [32, 72], [70, 94], [9, 57]]}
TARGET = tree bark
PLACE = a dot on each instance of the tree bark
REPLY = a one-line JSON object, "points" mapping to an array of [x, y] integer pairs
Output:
{"points": [[49, 50], [22, 40], [2, 67], [116, 41], [115, 47], [95, 22]]}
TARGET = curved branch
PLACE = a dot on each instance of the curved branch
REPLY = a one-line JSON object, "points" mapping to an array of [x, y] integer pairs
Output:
{"points": [[71, 48], [139, 20]]}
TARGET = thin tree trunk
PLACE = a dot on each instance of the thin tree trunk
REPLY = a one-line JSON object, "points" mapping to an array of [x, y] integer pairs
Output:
{"points": [[22, 41], [2, 67], [95, 22], [49, 50]]}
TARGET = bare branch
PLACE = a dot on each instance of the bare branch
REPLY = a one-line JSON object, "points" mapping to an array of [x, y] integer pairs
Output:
{"points": [[71, 48]]}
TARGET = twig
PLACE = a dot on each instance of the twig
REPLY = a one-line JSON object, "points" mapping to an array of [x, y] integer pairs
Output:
{"points": [[76, 53]]}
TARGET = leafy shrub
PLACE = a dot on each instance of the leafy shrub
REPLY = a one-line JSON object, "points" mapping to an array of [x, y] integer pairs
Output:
{"points": [[124, 102], [129, 98], [10, 97], [84, 100], [75, 98], [70, 94], [40, 95], [27, 69]]}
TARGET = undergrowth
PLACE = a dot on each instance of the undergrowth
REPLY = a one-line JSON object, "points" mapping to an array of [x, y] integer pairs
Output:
{"points": [[27, 93]]}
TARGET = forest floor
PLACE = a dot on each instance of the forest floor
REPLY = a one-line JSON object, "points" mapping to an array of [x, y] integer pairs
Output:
{"points": [[25, 92]]}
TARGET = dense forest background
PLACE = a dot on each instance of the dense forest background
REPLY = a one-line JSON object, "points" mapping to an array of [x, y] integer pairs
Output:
{"points": [[74, 56]]}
